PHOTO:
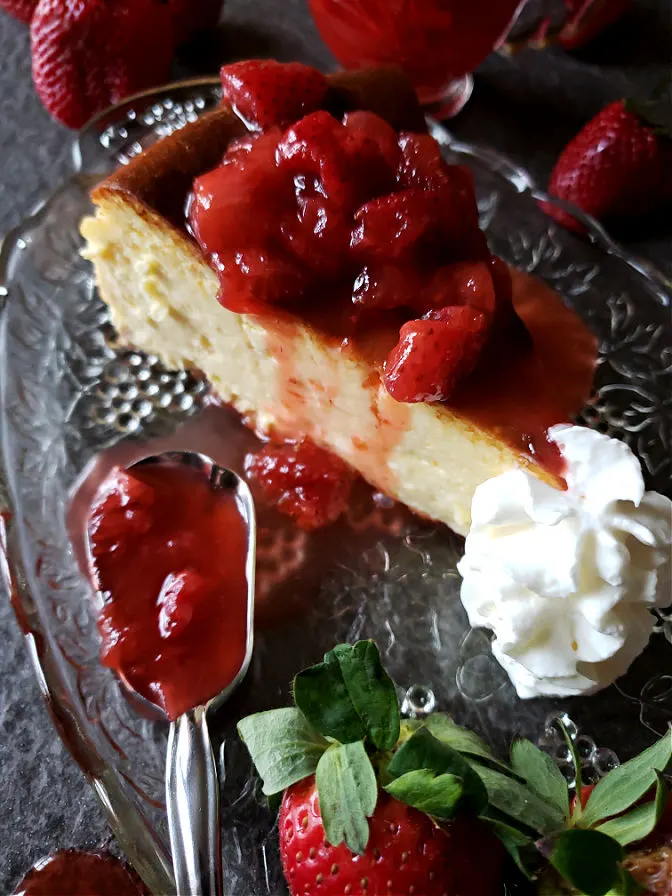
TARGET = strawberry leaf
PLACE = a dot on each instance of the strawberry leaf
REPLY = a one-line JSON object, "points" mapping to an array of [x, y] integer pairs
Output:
{"points": [[424, 751], [518, 802], [371, 690], [640, 821], [435, 795], [461, 739], [350, 696], [283, 746], [513, 840], [322, 696], [348, 792], [623, 786], [588, 860], [541, 774]]}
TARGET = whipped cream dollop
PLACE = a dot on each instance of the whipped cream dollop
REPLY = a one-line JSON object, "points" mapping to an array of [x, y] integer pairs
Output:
{"points": [[566, 579]]}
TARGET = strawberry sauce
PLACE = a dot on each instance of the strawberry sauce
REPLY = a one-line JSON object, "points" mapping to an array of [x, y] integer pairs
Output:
{"points": [[80, 874], [168, 556]]}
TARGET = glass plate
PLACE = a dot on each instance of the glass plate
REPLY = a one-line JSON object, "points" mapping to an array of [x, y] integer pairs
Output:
{"points": [[67, 391]]}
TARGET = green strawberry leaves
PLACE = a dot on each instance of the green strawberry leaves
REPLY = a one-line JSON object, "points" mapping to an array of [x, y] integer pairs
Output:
{"points": [[283, 746], [623, 786], [346, 730], [426, 752], [639, 822], [346, 783], [350, 696], [541, 775], [437, 795], [588, 860]]}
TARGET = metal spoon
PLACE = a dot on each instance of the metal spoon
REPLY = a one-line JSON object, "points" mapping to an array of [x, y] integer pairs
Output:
{"points": [[192, 782]]}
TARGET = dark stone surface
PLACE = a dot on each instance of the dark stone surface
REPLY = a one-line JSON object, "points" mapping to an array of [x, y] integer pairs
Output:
{"points": [[528, 107]]}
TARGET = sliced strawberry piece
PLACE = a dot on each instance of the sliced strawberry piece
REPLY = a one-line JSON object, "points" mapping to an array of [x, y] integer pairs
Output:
{"points": [[312, 152], [252, 279], [463, 283], [390, 226], [265, 93], [222, 204], [306, 482], [433, 355], [317, 233], [178, 600], [382, 285], [373, 150]]}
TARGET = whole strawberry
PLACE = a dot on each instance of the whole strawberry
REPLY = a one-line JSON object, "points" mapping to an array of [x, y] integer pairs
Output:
{"points": [[377, 806], [406, 852], [618, 166], [20, 9], [88, 54]]}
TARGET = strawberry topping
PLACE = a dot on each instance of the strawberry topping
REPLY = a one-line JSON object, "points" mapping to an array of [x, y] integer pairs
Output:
{"points": [[265, 93], [355, 215], [433, 354], [306, 482]]}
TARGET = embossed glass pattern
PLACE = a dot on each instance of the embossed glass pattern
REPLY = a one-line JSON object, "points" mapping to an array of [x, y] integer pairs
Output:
{"points": [[67, 391]]}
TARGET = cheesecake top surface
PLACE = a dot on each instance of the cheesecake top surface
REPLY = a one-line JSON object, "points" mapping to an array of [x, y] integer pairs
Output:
{"points": [[526, 379]]}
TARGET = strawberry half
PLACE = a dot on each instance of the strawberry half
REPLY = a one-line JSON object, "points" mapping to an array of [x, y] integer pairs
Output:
{"points": [[88, 54], [380, 806], [618, 166], [265, 93]]}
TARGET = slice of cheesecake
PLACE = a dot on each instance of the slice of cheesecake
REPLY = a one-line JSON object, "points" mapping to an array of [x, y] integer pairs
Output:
{"points": [[291, 375]]}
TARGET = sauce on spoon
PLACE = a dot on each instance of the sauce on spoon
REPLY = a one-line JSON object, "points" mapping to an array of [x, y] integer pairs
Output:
{"points": [[168, 556]]}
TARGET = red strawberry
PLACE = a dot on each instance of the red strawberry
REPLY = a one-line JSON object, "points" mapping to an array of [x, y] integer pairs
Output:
{"points": [[20, 9], [88, 54], [406, 853], [587, 19], [433, 354], [264, 92], [308, 483], [192, 16], [616, 167]]}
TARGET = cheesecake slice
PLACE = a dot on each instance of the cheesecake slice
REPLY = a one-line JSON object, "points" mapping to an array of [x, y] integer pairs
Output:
{"points": [[292, 373]]}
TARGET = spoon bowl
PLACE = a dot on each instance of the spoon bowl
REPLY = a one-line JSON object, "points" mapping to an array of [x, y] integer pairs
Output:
{"points": [[192, 781]]}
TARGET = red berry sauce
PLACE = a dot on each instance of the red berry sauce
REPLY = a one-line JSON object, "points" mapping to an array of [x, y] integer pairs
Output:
{"points": [[307, 483], [81, 874], [168, 555], [368, 237], [357, 218]]}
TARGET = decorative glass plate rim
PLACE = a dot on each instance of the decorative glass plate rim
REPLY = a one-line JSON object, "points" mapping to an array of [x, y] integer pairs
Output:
{"points": [[138, 842]]}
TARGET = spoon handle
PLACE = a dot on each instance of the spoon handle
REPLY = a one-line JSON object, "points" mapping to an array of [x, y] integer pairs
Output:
{"points": [[192, 801]]}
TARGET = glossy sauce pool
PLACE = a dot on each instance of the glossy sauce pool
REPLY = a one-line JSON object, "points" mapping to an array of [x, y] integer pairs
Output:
{"points": [[74, 873], [168, 557]]}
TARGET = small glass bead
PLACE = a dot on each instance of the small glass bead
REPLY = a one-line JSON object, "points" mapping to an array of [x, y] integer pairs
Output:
{"points": [[117, 373], [163, 399], [419, 701], [150, 389], [562, 753], [551, 727], [104, 416], [121, 405], [182, 402], [107, 390], [142, 374], [141, 407], [126, 423], [605, 760], [590, 775], [128, 390], [585, 748]]}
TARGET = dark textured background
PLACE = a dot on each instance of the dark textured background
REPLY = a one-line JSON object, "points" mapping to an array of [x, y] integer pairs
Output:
{"points": [[528, 107]]}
